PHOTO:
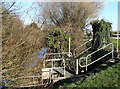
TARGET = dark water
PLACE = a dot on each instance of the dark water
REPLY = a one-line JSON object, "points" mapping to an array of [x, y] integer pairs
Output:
{"points": [[42, 52], [39, 56]]}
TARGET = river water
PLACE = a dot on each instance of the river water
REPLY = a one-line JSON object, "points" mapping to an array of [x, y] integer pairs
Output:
{"points": [[39, 55]]}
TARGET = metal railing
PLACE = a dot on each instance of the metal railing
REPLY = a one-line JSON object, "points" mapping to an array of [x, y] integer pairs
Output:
{"points": [[74, 52], [53, 59], [40, 81], [40, 76], [86, 58], [63, 53]]}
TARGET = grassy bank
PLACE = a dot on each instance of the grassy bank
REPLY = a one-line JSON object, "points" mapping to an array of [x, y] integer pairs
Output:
{"points": [[105, 78], [114, 41]]}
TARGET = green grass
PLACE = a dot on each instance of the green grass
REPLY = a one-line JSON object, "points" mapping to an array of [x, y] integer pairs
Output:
{"points": [[114, 41], [105, 78]]}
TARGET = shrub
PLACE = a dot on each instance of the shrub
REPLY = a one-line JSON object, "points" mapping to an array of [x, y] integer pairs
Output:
{"points": [[57, 41], [101, 33]]}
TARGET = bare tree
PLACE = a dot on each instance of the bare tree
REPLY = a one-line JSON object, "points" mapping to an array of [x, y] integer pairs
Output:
{"points": [[19, 46], [77, 13], [72, 17]]}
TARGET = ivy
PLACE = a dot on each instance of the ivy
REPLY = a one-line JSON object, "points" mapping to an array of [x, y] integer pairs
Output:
{"points": [[57, 41], [101, 33]]}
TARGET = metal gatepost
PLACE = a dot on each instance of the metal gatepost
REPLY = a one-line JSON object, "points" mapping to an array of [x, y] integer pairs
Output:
{"points": [[64, 65], [77, 66], [86, 64], [112, 50]]}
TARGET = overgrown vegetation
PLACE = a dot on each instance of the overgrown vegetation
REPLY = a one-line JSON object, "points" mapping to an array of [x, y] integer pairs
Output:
{"points": [[101, 33], [20, 45], [57, 41]]}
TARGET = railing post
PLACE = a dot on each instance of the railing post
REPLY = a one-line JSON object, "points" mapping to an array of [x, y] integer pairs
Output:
{"points": [[52, 66], [86, 64], [42, 79], [54, 61], [50, 75], [112, 51], [69, 48], [44, 60], [44, 64], [64, 65], [77, 66]]}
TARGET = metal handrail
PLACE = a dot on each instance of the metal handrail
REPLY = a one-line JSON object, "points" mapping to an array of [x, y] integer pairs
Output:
{"points": [[100, 49], [41, 76], [80, 60], [81, 46], [98, 58], [84, 51], [30, 76], [54, 59], [57, 53]]}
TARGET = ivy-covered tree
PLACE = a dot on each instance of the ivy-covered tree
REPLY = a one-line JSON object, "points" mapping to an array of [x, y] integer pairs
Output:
{"points": [[57, 41], [101, 33]]}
